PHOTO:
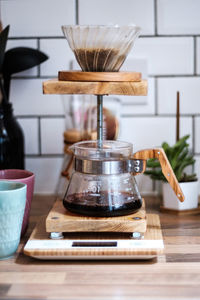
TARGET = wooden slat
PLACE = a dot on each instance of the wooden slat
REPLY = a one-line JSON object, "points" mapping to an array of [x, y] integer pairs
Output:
{"points": [[61, 220], [98, 76], [55, 86]]}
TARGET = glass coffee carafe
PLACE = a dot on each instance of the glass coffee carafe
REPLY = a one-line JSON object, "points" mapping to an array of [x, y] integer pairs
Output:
{"points": [[102, 183]]}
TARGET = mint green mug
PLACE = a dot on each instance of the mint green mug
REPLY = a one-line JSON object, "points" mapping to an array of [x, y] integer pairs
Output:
{"points": [[12, 205]]}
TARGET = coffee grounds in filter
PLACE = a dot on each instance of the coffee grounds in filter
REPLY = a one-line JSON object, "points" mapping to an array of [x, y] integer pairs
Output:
{"points": [[98, 60]]}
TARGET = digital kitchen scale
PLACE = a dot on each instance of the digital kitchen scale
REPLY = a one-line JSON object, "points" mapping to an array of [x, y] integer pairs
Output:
{"points": [[136, 236]]}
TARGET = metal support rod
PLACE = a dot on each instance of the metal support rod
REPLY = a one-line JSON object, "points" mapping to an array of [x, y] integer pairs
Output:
{"points": [[99, 121]]}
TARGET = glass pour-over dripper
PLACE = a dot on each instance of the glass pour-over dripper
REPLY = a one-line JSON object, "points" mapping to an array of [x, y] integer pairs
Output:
{"points": [[101, 48]]}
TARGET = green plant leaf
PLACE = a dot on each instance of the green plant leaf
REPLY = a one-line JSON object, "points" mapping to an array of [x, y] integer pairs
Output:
{"points": [[179, 157], [153, 163], [180, 141], [176, 154]]}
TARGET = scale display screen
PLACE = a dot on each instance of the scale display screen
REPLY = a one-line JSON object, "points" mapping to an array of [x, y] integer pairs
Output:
{"points": [[94, 244]]}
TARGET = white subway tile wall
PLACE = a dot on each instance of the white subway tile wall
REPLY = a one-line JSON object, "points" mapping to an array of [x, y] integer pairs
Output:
{"points": [[27, 97], [148, 132], [189, 88], [178, 16], [166, 55], [37, 18], [52, 135], [139, 12], [32, 43], [198, 55], [169, 43], [47, 171], [30, 128], [59, 55]]}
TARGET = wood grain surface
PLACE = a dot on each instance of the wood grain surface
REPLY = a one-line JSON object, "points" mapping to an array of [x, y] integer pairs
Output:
{"points": [[61, 220], [175, 275], [55, 86], [98, 76], [167, 170]]}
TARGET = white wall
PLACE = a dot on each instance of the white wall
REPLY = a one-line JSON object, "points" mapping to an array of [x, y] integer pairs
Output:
{"points": [[170, 42]]}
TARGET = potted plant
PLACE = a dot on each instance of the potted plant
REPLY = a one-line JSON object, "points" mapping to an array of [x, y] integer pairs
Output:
{"points": [[179, 157]]}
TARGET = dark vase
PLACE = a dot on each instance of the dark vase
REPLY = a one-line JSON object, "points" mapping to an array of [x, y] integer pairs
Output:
{"points": [[11, 140]]}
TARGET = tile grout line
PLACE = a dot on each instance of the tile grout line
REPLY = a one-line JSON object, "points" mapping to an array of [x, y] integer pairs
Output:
{"points": [[39, 137], [50, 155], [156, 96], [195, 55], [157, 116], [155, 18], [174, 75], [122, 115], [40, 116], [77, 21]]}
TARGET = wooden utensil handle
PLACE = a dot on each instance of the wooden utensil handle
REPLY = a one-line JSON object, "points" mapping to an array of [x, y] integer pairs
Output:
{"points": [[165, 165]]}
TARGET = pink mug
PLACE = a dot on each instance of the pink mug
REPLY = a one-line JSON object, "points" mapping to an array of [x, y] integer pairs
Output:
{"points": [[28, 178]]}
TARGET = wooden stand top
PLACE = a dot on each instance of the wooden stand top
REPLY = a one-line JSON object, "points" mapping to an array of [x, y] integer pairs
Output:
{"points": [[134, 88]]}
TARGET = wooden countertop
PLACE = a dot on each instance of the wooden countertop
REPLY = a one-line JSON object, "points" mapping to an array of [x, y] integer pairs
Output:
{"points": [[173, 275]]}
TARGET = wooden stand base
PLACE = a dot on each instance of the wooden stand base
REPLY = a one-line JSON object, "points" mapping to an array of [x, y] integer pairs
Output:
{"points": [[61, 220]]}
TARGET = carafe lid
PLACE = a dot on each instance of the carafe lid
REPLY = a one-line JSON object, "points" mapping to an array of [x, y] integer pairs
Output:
{"points": [[109, 150]]}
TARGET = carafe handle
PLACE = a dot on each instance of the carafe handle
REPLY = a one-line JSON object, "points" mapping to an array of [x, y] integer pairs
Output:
{"points": [[165, 165]]}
